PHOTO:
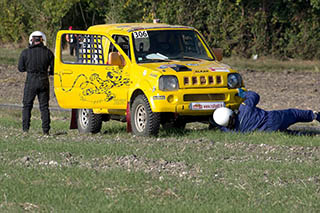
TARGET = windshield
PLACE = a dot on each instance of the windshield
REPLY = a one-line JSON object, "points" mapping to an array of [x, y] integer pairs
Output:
{"points": [[165, 45]]}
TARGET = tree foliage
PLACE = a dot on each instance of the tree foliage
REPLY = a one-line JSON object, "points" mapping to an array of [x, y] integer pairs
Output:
{"points": [[12, 19], [285, 28]]}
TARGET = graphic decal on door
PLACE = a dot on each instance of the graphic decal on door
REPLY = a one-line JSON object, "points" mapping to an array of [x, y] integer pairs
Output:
{"points": [[93, 86]]}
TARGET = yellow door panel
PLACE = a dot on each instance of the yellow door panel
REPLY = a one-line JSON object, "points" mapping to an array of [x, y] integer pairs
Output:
{"points": [[86, 79]]}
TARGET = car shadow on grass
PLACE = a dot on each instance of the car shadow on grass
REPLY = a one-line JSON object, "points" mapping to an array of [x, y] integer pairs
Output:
{"points": [[176, 132]]}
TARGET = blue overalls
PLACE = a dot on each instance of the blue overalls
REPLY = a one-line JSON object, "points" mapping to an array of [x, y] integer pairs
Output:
{"points": [[251, 118]]}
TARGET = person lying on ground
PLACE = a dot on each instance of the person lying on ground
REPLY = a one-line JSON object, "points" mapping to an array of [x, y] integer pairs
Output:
{"points": [[250, 118]]}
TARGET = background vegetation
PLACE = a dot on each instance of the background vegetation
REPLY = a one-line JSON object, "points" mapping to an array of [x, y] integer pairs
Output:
{"points": [[282, 28]]}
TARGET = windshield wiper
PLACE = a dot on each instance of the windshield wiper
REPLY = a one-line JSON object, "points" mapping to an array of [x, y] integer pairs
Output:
{"points": [[185, 58], [158, 60], [192, 58]]}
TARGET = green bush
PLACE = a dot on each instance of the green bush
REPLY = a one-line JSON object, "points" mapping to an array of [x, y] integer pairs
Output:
{"points": [[284, 28]]}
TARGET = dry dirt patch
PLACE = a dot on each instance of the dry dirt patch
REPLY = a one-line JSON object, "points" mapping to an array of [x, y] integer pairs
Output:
{"points": [[12, 84], [278, 90], [287, 89]]}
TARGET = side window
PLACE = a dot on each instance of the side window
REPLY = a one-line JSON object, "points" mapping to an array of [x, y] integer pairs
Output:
{"points": [[123, 42], [84, 49]]}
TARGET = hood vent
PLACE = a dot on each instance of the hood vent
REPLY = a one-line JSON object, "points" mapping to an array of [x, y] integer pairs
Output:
{"points": [[181, 68]]}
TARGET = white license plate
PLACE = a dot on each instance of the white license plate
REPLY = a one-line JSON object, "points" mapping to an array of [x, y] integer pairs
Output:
{"points": [[206, 105]]}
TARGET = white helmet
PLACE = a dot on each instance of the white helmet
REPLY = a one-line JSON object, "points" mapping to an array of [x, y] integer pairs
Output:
{"points": [[222, 116], [38, 34]]}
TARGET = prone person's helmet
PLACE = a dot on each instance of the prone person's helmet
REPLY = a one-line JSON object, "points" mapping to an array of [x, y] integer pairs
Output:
{"points": [[222, 116], [38, 35]]}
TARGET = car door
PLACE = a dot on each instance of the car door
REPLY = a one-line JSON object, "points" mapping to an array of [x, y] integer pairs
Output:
{"points": [[88, 78]]}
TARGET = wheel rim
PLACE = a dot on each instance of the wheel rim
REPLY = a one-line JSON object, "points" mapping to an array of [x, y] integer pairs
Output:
{"points": [[140, 118], [84, 118]]}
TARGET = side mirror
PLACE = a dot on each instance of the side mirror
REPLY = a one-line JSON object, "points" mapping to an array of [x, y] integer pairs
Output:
{"points": [[217, 53]]}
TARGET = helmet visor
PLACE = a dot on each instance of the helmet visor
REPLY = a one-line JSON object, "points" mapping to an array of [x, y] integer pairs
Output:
{"points": [[37, 38]]}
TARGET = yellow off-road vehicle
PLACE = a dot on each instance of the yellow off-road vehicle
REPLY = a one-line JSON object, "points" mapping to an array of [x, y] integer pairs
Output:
{"points": [[144, 74]]}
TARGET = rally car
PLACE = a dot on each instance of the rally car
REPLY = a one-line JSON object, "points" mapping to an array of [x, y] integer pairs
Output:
{"points": [[144, 74]]}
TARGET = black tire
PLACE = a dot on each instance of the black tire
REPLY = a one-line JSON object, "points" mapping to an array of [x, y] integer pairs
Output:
{"points": [[88, 122], [144, 122]]}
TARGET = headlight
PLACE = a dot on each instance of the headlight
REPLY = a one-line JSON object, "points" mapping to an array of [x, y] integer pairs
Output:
{"points": [[168, 83], [234, 80]]}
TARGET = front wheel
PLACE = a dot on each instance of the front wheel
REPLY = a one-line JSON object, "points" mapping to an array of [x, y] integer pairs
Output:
{"points": [[88, 122], [144, 122]]}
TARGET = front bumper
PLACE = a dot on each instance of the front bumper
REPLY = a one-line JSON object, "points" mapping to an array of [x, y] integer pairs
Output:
{"points": [[175, 101]]}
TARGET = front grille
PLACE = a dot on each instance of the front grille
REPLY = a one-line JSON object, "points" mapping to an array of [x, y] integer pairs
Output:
{"points": [[219, 80], [194, 80], [202, 80], [186, 80], [204, 97], [210, 79]]}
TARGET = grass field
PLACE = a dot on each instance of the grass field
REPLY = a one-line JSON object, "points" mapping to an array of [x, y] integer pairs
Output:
{"points": [[198, 170], [195, 171]]}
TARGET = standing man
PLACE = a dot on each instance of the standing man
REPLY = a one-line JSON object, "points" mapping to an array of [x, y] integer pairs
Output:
{"points": [[35, 60], [72, 40]]}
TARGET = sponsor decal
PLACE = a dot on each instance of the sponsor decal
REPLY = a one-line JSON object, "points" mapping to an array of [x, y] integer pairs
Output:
{"points": [[97, 88], [219, 69], [167, 66], [153, 75], [206, 106], [159, 97], [201, 71], [193, 64]]}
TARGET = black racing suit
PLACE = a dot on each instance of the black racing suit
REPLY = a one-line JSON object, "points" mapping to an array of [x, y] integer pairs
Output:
{"points": [[36, 60]]}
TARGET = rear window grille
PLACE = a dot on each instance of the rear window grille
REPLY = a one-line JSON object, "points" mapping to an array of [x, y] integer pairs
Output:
{"points": [[204, 97], [91, 51]]}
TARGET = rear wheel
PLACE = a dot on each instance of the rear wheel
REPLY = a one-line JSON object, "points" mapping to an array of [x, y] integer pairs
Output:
{"points": [[88, 122], [144, 122]]}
